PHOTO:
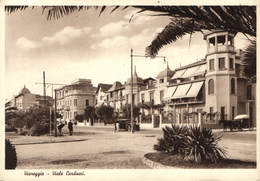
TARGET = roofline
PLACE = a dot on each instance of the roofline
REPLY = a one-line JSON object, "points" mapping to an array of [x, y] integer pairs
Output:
{"points": [[203, 61], [217, 31]]}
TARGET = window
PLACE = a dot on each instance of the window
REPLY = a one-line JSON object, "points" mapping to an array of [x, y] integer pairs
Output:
{"points": [[211, 86], [221, 63], [87, 102], [211, 65], [142, 97], [221, 40], [161, 95], [212, 42], [232, 86], [249, 92], [230, 40], [75, 102], [75, 114], [161, 80], [152, 97], [231, 63], [233, 112], [211, 113], [222, 113], [126, 98], [111, 94]]}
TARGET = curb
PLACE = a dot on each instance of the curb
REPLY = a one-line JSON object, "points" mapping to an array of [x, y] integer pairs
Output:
{"points": [[156, 165], [49, 142]]}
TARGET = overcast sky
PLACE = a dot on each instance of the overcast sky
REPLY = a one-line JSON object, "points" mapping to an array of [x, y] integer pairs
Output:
{"points": [[86, 45]]}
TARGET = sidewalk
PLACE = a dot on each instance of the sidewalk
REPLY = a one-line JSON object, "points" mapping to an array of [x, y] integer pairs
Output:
{"points": [[26, 140]]}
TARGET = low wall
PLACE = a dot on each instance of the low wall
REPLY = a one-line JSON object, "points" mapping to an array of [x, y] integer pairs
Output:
{"points": [[146, 125]]}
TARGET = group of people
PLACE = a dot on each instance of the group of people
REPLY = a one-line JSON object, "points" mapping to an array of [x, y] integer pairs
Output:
{"points": [[61, 124]]}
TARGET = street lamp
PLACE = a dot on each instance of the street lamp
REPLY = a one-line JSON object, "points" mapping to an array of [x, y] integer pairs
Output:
{"points": [[132, 105]]}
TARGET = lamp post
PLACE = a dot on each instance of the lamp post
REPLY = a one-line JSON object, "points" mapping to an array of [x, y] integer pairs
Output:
{"points": [[132, 104]]}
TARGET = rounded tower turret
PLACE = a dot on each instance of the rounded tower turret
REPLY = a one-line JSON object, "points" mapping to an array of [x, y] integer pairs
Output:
{"points": [[221, 95]]}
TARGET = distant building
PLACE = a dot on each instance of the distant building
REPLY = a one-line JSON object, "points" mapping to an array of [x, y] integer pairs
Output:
{"points": [[25, 100], [101, 95], [73, 99]]}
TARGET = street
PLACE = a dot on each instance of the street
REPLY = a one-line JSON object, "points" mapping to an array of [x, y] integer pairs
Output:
{"points": [[102, 148]]}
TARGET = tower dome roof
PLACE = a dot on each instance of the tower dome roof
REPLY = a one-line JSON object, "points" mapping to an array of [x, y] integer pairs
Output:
{"points": [[25, 91], [136, 79], [165, 73]]}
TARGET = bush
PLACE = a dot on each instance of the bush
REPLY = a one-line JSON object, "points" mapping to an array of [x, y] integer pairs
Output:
{"points": [[191, 143], [10, 128], [39, 129], [10, 155], [202, 146], [173, 140]]}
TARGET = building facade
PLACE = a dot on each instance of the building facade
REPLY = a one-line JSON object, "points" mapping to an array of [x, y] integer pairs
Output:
{"points": [[201, 93], [73, 99], [101, 93], [25, 100]]}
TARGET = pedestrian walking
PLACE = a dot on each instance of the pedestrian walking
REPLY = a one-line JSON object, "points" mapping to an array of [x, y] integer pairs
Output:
{"points": [[70, 126], [115, 124], [60, 126]]}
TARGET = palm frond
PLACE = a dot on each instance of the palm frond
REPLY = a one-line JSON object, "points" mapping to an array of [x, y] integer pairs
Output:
{"points": [[173, 31], [249, 59]]}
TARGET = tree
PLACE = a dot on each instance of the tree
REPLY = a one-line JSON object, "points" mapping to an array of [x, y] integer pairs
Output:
{"points": [[127, 111], [105, 113], [249, 60], [80, 117], [90, 113]]}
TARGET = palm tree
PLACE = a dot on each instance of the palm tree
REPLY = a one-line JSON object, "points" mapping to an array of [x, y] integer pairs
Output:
{"points": [[183, 20]]}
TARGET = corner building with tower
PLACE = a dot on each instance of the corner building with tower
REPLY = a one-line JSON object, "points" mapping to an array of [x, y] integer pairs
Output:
{"points": [[201, 93]]}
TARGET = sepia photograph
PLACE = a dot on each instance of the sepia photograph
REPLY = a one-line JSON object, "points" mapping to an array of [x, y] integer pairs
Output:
{"points": [[129, 87]]}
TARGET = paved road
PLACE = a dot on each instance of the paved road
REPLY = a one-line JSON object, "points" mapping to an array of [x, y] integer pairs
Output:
{"points": [[106, 149]]}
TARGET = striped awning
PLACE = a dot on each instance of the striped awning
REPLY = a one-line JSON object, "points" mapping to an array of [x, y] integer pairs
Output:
{"points": [[181, 91], [194, 90], [169, 92]]}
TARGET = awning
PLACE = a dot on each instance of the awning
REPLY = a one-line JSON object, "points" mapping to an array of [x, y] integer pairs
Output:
{"points": [[190, 71], [181, 91], [178, 73], [202, 69], [170, 91], [195, 88], [242, 116]]}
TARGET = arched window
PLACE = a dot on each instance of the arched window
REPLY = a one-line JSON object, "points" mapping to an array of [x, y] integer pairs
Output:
{"points": [[232, 86], [211, 86]]}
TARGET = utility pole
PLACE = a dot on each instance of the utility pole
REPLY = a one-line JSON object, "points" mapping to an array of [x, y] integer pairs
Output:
{"points": [[49, 83], [132, 104], [143, 56], [45, 102], [50, 120], [44, 89], [55, 110]]}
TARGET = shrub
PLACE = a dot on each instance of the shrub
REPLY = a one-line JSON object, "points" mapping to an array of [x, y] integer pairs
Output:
{"points": [[202, 146], [10, 155], [39, 129], [191, 143], [10, 128], [173, 140], [80, 118]]}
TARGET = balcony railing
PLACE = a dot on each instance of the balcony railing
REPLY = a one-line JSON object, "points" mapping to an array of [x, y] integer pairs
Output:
{"points": [[220, 48]]}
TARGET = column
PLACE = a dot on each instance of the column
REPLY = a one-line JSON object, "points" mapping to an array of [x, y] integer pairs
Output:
{"points": [[152, 121], [160, 121]]}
